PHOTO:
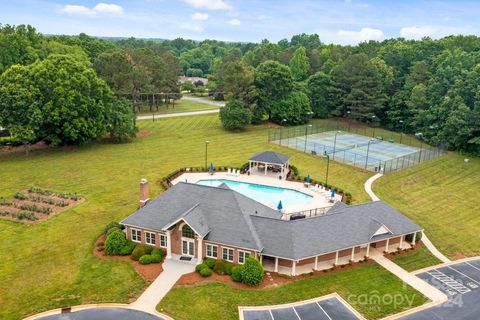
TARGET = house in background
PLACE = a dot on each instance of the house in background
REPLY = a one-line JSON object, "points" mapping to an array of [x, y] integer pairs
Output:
{"points": [[192, 222]]}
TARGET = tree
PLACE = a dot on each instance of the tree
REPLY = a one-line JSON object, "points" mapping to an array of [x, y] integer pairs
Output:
{"points": [[236, 79], [115, 242], [299, 64], [121, 122], [188, 86], [274, 82], [19, 45], [234, 116], [295, 109], [319, 87]]}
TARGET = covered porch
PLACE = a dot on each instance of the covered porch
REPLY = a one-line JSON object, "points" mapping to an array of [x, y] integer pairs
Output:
{"points": [[269, 163]]}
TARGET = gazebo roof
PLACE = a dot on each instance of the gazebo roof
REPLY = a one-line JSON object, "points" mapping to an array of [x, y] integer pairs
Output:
{"points": [[270, 157]]}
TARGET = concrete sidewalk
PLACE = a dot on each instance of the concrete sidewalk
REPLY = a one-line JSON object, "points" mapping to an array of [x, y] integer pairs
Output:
{"points": [[368, 186], [418, 284], [172, 271]]}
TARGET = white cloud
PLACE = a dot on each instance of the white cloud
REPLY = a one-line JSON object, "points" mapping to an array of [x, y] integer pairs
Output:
{"points": [[199, 16], [99, 9], [415, 32], [191, 27], [210, 4], [234, 22], [365, 34]]}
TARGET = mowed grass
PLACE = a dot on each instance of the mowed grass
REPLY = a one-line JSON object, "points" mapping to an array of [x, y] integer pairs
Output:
{"points": [[415, 260], [180, 106], [442, 196], [369, 289], [50, 264]]}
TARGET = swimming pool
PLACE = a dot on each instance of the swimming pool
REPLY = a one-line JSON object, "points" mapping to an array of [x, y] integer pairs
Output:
{"points": [[267, 195]]}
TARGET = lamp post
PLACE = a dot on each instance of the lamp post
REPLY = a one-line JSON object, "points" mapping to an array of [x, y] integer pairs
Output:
{"points": [[403, 129], [328, 166], [419, 136], [281, 124], [335, 144], [306, 131], [368, 150], [206, 153], [373, 120], [349, 120]]}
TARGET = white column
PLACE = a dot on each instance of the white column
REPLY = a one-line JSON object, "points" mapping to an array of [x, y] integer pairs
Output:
{"points": [[336, 258], [266, 167], [401, 242], [200, 250], [249, 165], [414, 238], [368, 250], [294, 266], [169, 244], [386, 246], [316, 263], [353, 254], [276, 264], [261, 259]]}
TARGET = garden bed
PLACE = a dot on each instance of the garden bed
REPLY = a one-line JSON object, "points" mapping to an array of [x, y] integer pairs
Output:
{"points": [[148, 272], [36, 204]]}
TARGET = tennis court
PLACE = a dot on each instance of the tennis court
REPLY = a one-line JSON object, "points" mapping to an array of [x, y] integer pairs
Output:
{"points": [[373, 154]]}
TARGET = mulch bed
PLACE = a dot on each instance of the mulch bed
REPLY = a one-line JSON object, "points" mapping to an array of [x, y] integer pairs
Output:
{"points": [[39, 215], [148, 272], [143, 133], [271, 279], [21, 149]]}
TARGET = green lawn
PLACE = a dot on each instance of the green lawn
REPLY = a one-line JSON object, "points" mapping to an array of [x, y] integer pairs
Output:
{"points": [[441, 195], [362, 287], [180, 106], [50, 264], [415, 260]]}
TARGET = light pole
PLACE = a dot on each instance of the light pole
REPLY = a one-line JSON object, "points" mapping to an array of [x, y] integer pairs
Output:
{"points": [[373, 120], [419, 136], [335, 144], [206, 153], [281, 125], [349, 120], [403, 129], [306, 131], [328, 166], [368, 150]]}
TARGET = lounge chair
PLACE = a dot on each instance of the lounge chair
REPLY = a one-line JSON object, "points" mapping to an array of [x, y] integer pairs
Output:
{"points": [[237, 173], [315, 187], [229, 171]]}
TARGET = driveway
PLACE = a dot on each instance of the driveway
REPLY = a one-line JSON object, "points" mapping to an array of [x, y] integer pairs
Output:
{"points": [[103, 314], [178, 114], [202, 100]]}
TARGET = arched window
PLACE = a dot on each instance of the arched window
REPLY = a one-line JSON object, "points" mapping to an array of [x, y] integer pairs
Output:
{"points": [[187, 232]]}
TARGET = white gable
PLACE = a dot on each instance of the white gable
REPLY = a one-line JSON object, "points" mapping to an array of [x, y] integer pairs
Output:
{"points": [[381, 230]]}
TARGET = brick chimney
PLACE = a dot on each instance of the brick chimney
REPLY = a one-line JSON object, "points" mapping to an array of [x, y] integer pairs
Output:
{"points": [[143, 192]]}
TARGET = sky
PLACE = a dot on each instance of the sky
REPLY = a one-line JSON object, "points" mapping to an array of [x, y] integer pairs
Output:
{"points": [[341, 22]]}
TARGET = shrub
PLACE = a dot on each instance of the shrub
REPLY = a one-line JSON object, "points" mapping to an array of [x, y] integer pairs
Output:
{"points": [[128, 248], [409, 237], [252, 272], [201, 266], [237, 274], [156, 258], [115, 242], [157, 252], [206, 272], [112, 230], [145, 259], [223, 267], [111, 225], [141, 250], [235, 116], [294, 170], [209, 262]]}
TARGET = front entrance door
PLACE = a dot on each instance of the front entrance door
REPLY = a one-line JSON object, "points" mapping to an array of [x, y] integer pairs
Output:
{"points": [[188, 248]]}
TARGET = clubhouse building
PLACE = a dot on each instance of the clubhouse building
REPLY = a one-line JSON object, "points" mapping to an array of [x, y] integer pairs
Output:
{"points": [[192, 222]]}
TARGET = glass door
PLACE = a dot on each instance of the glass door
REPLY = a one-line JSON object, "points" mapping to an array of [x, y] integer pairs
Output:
{"points": [[188, 248]]}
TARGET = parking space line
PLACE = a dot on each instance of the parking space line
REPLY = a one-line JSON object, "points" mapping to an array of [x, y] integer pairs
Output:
{"points": [[471, 265], [440, 276], [463, 274], [271, 315], [318, 304], [296, 313]]}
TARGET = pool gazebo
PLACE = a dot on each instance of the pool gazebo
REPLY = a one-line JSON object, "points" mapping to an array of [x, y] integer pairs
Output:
{"points": [[269, 160]]}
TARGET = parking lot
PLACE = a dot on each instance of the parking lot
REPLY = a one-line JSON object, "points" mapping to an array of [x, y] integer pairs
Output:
{"points": [[328, 309], [461, 283]]}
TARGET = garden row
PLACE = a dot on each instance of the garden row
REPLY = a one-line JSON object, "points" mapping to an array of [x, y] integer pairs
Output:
{"points": [[251, 272], [116, 244]]}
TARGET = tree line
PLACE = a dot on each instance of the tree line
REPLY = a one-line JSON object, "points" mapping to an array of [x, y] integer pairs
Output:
{"points": [[429, 87]]}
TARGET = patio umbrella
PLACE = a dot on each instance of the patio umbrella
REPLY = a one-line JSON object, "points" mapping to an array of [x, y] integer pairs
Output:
{"points": [[280, 207], [211, 168], [308, 179], [333, 193]]}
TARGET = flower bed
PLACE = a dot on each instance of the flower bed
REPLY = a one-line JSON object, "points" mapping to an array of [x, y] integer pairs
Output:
{"points": [[36, 204]]}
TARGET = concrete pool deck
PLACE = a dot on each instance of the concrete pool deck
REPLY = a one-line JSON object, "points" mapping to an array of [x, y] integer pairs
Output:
{"points": [[319, 199]]}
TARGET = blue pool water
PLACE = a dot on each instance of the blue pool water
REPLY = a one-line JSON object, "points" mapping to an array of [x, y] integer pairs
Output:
{"points": [[267, 195]]}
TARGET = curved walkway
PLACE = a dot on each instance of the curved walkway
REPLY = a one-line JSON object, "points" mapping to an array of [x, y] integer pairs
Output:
{"points": [[425, 240]]}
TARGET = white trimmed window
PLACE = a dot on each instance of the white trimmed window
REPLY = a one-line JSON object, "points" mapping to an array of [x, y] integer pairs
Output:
{"points": [[212, 251], [163, 241], [150, 238], [136, 235], [227, 254], [242, 256]]}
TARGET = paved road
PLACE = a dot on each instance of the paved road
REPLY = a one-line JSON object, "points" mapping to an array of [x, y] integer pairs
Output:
{"points": [[103, 314], [179, 114], [204, 101], [461, 283]]}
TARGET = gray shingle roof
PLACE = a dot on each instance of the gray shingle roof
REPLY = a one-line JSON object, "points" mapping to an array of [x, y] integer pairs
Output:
{"points": [[343, 227], [223, 215], [270, 157]]}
